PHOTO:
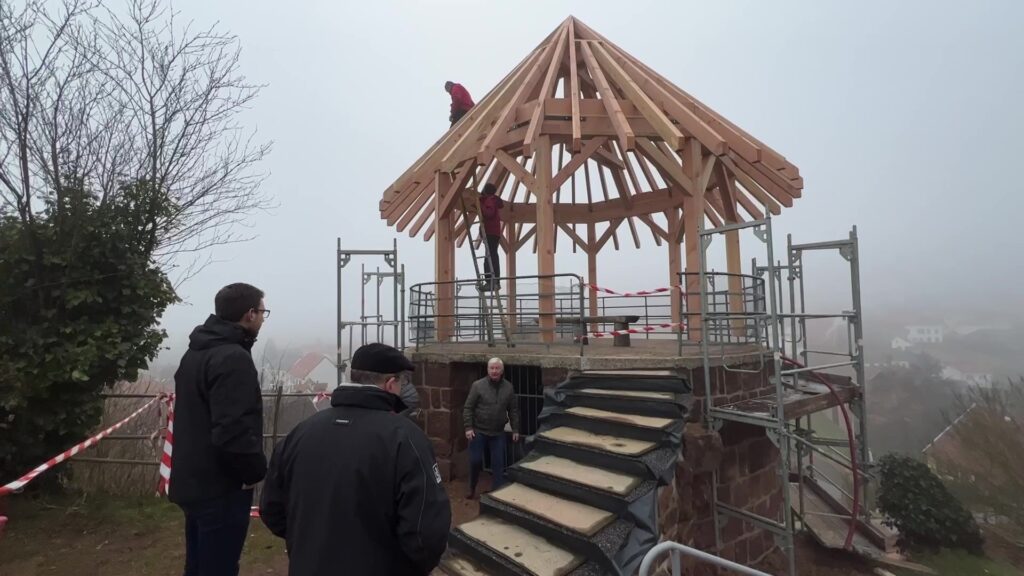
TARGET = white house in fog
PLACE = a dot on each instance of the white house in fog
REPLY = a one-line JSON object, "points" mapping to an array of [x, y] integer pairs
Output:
{"points": [[926, 334], [901, 344], [315, 370]]}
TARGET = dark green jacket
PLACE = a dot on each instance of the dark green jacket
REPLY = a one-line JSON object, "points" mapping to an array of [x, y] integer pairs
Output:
{"points": [[489, 406]]}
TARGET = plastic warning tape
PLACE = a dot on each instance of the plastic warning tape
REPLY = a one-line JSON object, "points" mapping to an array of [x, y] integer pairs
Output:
{"points": [[164, 483], [20, 483], [637, 330], [595, 288]]}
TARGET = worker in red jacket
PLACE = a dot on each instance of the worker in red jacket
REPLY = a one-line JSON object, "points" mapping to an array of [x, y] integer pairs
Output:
{"points": [[461, 101], [490, 213]]}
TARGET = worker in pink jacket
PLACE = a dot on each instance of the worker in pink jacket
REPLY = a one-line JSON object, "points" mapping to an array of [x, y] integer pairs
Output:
{"points": [[490, 213], [461, 101]]}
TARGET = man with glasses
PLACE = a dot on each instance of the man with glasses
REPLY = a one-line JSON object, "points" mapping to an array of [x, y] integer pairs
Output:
{"points": [[218, 432], [355, 489]]}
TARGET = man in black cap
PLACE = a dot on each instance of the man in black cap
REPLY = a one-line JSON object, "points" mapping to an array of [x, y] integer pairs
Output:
{"points": [[355, 488]]}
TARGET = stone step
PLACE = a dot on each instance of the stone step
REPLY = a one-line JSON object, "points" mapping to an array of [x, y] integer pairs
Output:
{"points": [[650, 465], [528, 551], [652, 422], [613, 444], [641, 394], [454, 563], [590, 476], [574, 516]]}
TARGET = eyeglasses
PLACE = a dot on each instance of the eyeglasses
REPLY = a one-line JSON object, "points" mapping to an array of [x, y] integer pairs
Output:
{"points": [[264, 311]]}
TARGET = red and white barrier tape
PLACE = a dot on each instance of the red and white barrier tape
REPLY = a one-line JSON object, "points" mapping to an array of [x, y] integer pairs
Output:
{"points": [[594, 288], [637, 330], [164, 483], [20, 483]]}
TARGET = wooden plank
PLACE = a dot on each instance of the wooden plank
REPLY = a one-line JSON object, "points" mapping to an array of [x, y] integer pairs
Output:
{"points": [[545, 92], [767, 184], [666, 129], [609, 99], [574, 89], [577, 160]]}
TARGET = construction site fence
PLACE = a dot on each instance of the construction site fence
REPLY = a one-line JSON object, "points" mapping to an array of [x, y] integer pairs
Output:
{"points": [[126, 462]]}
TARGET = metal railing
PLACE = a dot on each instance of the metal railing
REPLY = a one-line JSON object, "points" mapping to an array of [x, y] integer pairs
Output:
{"points": [[735, 310], [472, 322], [676, 550]]}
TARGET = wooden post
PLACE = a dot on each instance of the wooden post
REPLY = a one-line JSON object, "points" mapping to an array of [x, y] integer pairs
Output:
{"points": [[444, 258], [693, 217], [511, 247], [675, 265], [545, 237], [592, 271]]}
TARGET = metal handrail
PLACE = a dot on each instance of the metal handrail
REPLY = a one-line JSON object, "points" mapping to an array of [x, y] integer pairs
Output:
{"points": [[675, 549]]}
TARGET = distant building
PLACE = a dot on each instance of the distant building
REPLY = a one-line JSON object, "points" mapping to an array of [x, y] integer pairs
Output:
{"points": [[926, 334], [901, 344], [314, 372], [974, 378]]}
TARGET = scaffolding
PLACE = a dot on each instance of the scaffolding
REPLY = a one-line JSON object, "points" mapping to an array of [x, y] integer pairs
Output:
{"points": [[790, 379], [377, 323]]}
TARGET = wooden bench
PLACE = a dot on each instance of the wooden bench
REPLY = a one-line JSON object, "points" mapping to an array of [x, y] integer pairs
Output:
{"points": [[618, 322]]}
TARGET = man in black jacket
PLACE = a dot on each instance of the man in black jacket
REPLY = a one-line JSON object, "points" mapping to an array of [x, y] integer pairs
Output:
{"points": [[218, 432], [355, 489]]}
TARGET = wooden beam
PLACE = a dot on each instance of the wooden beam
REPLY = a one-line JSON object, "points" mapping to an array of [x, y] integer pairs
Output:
{"points": [[517, 170], [467, 145], [574, 88], [693, 215], [444, 260], [508, 114], [526, 237], [574, 237], [675, 266], [545, 92], [577, 160], [609, 99], [657, 232], [545, 239], [670, 169], [448, 201], [727, 193], [755, 189], [648, 108], [777, 191], [608, 233]]}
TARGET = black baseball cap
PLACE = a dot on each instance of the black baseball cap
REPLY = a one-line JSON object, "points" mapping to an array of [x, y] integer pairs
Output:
{"points": [[380, 358]]}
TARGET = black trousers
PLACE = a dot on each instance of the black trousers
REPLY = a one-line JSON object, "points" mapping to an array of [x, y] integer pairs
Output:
{"points": [[493, 243], [457, 115], [215, 533]]}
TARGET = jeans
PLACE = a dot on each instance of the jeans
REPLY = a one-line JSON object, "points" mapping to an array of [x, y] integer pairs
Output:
{"points": [[496, 446], [215, 533]]}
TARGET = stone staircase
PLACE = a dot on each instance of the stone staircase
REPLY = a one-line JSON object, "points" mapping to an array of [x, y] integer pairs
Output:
{"points": [[583, 501]]}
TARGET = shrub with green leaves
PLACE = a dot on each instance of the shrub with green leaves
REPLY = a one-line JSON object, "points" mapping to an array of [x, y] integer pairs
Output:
{"points": [[926, 514], [80, 303]]}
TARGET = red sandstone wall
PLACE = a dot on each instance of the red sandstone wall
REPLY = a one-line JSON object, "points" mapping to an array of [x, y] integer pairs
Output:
{"points": [[747, 462]]}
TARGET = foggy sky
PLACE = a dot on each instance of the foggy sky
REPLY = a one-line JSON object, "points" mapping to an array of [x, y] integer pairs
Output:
{"points": [[903, 117]]}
